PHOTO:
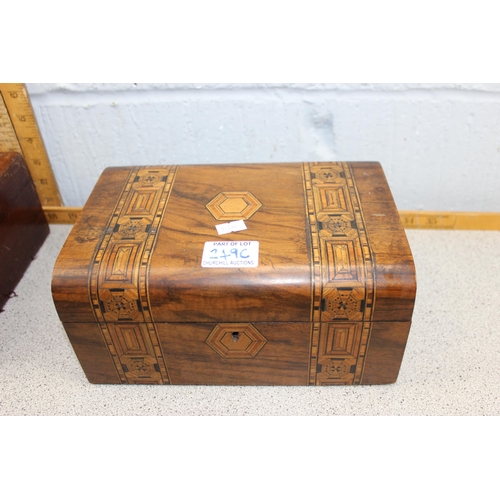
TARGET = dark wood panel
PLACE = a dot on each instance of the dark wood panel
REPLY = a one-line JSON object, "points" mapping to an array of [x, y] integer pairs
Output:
{"points": [[23, 227]]}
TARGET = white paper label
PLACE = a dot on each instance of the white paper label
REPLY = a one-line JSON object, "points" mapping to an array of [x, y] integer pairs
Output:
{"points": [[231, 227], [230, 254]]}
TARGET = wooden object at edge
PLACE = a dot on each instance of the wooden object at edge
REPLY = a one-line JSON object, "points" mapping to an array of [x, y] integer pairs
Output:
{"points": [[23, 227]]}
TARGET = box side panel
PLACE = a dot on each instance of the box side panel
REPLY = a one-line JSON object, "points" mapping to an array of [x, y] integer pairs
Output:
{"points": [[237, 354], [70, 279], [270, 199], [92, 353], [385, 352], [395, 280]]}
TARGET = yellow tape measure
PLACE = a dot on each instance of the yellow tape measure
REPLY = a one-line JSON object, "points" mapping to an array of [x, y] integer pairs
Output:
{"points": [[62, 215], [19, 132], [485, 221]]}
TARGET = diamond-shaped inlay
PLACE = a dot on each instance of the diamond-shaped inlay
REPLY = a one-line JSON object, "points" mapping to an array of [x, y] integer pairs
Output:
{"points": [[234, 205], [236, 340]]}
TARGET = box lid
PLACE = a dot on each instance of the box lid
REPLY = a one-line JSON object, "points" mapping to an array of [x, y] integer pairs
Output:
{"points": [[330, 246]]}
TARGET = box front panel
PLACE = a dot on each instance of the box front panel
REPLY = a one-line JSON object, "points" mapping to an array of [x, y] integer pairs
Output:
{"points": [[237, 353]]}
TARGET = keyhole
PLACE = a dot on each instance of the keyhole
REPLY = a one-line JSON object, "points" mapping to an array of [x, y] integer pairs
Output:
{"points": [[236, 336]]}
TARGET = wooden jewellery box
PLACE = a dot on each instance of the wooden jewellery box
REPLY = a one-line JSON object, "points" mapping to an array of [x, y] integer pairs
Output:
{"points": [[317, 290]]}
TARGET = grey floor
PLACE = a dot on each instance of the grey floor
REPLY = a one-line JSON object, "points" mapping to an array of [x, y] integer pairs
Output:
{"points": [[451, 365]]}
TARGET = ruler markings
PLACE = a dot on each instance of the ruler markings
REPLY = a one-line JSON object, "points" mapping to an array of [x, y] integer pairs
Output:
{"points": [[486, 221], [62, 215], [8, 137], [19, 132]]}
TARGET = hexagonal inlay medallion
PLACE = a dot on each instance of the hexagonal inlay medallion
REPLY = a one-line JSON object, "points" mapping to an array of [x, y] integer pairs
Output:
{"points": [[234, 205], [236, 340]]}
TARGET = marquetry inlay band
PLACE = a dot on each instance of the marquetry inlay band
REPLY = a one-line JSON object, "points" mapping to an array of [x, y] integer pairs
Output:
{"points": [[342, 285], [119, 277]]}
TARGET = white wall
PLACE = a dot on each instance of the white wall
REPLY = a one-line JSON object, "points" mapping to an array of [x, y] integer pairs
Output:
{"points": [[438, 143]]}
